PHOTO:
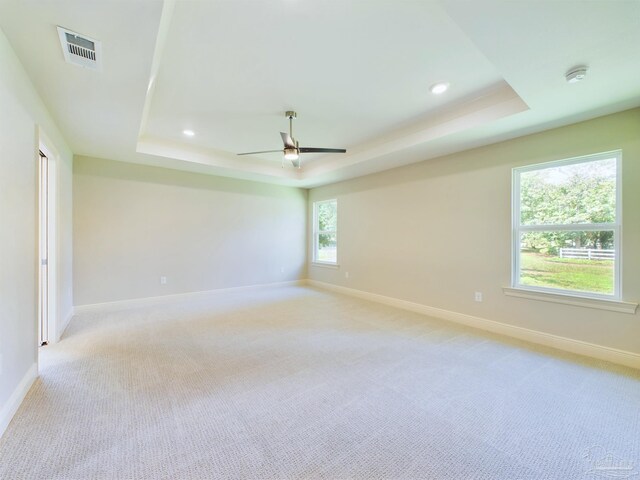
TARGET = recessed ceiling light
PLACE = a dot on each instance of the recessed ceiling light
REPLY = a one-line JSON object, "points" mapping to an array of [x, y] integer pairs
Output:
{"points": [[439, 88], [189, 133]]}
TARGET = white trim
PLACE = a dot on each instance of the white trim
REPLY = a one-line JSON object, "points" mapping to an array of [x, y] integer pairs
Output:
{"points": [[168, 299], [334, 266], [10, 408], [615, 227], [569, 299], [577, 294], [316, 233], [568, 227], [579, 347], [47, 146], [591, 157]]}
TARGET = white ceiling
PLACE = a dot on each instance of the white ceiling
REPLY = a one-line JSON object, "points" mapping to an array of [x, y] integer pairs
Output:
{"points": [[356, 71]]}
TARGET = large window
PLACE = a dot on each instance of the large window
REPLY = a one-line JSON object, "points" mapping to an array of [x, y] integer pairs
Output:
{"points": [[566, 226], [325, 232]]}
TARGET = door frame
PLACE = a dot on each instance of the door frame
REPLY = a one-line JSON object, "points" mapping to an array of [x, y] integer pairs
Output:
{"points": [[46, 147]]}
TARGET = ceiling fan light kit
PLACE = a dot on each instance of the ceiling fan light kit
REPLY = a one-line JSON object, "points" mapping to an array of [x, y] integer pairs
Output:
{"points": [[291, 154], [292, 149]]}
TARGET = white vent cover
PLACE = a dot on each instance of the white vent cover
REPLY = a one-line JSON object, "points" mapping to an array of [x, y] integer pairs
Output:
{"points": [[80, 49]]}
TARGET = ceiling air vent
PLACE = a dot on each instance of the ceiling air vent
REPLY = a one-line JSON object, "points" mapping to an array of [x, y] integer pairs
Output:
{"points": [[80, 49]]}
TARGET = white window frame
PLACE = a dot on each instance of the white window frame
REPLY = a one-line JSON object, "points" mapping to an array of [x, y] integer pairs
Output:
{"points": [[317, 232], [616, 227]]}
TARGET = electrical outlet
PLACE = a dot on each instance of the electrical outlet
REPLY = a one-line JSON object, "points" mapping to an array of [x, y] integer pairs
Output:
{"points": [[346, 274], [478, 296], [163, 280]]}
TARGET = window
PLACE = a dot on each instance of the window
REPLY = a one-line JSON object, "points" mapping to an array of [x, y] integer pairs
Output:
{"points": [[325, 232], [566, 226]]}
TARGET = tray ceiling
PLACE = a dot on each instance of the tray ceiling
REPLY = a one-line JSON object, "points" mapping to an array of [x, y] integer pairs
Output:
{"points": [[357, 72]]}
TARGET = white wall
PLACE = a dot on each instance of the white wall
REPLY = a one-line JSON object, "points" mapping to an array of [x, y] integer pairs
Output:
{"points": [[22, 117], [434, 233], [64, 272], [134, 223]]}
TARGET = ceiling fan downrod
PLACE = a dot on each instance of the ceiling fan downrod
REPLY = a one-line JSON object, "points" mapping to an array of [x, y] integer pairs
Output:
{"points": [[292, 153], [290, 114]]}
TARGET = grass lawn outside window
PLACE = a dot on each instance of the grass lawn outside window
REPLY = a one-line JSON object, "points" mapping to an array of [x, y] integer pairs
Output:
{"points": [[539, 270]]}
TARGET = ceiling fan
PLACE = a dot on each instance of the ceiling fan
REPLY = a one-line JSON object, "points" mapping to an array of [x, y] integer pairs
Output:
{"points": [[292, 149]]}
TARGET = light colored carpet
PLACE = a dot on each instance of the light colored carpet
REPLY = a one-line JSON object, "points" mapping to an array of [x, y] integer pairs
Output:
{"points": [[299, 383]]}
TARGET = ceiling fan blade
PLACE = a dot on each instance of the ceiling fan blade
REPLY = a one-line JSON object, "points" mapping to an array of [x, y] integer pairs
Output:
{"points": [[265, 151], [288, 141], [321, 150]]}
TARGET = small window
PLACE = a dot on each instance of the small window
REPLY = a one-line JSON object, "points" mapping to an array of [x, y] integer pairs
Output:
{"points": [[325, 232], [566, 226]]}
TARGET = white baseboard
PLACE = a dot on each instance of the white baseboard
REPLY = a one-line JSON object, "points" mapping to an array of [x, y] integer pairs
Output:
{"points": [[64, 325], [579, 347], [168, 299], [11, 407]]}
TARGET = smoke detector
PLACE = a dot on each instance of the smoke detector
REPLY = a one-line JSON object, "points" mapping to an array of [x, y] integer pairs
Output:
{"points": [[576, 74], [80, 50]]}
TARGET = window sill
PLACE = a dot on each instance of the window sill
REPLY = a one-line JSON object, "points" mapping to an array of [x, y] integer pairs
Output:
{"points": [[325, 265], [567, 299]]}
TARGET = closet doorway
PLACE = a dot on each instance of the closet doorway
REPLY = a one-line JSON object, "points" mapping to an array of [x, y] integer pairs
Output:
{"points": [[46, 216]]}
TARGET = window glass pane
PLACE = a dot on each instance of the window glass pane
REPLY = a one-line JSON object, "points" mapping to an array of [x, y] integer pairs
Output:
{"points": [[575, 260], [328, 216], [327, 248], [578, 193]]}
